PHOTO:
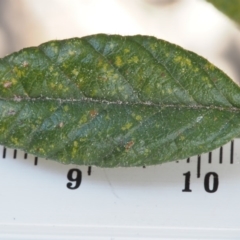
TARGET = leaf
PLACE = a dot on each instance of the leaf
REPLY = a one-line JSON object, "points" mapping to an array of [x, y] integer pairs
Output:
{"points": [[230, 8], [110, 101]]}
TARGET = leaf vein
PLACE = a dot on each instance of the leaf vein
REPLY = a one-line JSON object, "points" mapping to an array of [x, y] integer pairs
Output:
{"points": [[115, 69], [166, 68]]}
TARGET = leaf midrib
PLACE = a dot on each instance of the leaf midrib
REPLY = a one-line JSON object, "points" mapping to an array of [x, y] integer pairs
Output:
{"points": [[104, 101]]}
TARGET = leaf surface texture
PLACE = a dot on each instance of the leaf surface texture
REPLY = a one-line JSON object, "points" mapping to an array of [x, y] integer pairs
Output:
{"points": [[110, 100]]}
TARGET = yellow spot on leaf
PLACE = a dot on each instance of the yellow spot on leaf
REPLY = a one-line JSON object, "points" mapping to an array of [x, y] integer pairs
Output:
{"points": [[41, 150], [183, 61], [182, 138], [2, 129], [75, 144], [75, 72], [94, 92], [74, 152], [60, 86], [66, 108], [15, 141], [51, 68], [55, 50], [127, 126], [18, 72], [146, 152], [138, 118], [188, 62], [205, 79], [153, 46], [105, 67], [83, 119], [178, 59], [14, 81], [133, 59], [75, 148], [66, 89], [107, 117], [209, 66], [71, 53], [100, 62], [118, 61]]}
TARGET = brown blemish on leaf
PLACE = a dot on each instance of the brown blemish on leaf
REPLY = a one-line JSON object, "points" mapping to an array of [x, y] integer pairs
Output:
{"points": [[104, 79], [129, 145], [93, 113], [7, 84], [11, 112], [25, 64], [17, 99], [163, 74]]}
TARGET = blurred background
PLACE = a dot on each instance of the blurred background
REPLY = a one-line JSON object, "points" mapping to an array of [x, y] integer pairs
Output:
{"points": [[193, 24]]}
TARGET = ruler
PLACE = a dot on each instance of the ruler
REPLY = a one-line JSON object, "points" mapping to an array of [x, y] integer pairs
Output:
{"points": [[195, 198]]}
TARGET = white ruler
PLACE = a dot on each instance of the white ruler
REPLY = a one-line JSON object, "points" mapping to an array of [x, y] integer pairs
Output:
{"points": [[198, 198]]}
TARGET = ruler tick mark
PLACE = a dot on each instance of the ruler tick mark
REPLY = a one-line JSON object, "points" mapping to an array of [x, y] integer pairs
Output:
{"points": [[231, 152], [89, 170], [36, 161], [4, 152], [199, 166], [15, 154], [25, 155], [221, 155], [210, 157]]}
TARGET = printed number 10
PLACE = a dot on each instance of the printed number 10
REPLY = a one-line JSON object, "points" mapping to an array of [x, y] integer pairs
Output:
{"points": [[207, 178]]}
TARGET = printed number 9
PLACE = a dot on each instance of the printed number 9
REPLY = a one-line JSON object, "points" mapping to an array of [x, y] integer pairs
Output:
{"points": [[74, 175]]}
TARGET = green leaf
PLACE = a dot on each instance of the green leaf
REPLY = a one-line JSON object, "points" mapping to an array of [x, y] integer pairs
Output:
{"points": [[229, 7], [115, 101]]}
